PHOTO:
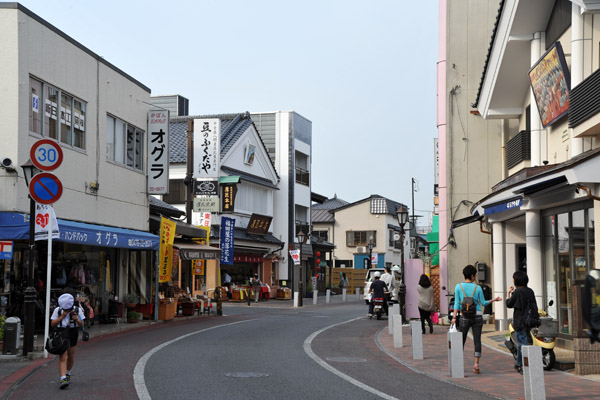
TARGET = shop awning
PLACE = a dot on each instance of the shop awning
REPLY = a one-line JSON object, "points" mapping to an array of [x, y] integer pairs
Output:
{"points": [[15, 226], [466, 220], [195, 251]]}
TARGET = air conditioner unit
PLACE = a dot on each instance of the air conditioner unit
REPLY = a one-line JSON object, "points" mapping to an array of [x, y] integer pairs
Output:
{"points": [[361, 249]]}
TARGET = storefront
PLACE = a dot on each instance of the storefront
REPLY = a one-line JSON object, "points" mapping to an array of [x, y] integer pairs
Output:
{"points": [[99, 261]]}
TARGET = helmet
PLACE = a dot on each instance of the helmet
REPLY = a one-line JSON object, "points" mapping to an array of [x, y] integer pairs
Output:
{"points": [[377, 274], [396, 268]]}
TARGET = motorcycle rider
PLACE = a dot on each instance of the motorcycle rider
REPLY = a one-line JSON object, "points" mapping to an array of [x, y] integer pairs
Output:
{"points": [[377, 291], [518, 299]]}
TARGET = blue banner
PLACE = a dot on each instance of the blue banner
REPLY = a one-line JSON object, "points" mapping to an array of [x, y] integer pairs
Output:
{"points": [[226, 242], [509, 205]]}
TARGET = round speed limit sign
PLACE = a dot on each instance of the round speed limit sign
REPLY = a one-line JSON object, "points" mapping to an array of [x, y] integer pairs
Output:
{"points": [[46, 154]]}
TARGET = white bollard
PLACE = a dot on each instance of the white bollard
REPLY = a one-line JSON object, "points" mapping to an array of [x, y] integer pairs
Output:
{"points": [[533, 373], [390, 319], [456, 362], [357, 291], [295, 299], [327, 296], [314, 297], [397, 330], [344, 295], [416, 340]]}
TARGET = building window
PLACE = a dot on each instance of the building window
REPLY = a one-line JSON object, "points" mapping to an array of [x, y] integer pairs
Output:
{"points": [[396, 244], [63, 115], [302, 173], [360, 238], [124, 143], [321, 235]]}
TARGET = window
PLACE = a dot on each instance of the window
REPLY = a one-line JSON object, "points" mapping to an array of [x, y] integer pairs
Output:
{"points": [[322, 235], [124, 143], [63, 114], [360, 238], [302, 173], [253, 198]]}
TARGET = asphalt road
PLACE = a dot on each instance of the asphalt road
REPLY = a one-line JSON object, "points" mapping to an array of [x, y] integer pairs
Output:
{"points": [[326, 352]]}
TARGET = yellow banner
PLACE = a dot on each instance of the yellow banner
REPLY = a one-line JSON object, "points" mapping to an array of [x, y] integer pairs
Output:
{"points": [[167, 236], [198, 267]]}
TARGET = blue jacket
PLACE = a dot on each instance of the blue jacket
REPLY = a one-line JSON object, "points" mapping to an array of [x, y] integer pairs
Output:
{"points": [[469, 287]]}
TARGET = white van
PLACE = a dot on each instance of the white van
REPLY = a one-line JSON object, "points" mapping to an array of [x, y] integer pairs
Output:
{"points": [[370, 277]]}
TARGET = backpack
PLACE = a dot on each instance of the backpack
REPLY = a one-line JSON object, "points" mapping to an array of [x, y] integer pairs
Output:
{"points": [[468, 307], [531, 317]]}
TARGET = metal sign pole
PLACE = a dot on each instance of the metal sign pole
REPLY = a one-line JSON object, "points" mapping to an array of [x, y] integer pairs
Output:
{"points": [[48, 283]]}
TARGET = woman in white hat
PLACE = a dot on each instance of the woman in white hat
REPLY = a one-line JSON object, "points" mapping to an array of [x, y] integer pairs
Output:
{"points": [[68, 318]]}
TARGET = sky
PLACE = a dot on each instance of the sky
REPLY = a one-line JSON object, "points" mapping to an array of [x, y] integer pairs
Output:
{"points": [[364, 73]]}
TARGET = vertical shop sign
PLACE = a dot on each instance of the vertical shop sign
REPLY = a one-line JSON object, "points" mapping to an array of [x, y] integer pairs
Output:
{"points": [[226, 242], [43, 214], [229, 192], [167, 236], [6, 249], [207, 148], [198, 267], [158, 152]]}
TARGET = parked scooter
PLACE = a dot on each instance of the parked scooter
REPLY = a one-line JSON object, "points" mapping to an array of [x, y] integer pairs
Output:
{"points": [[544, 336]]}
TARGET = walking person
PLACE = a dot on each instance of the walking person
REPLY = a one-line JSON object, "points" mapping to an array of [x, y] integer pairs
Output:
{"points": [[518, 299], [256, 283], [470, 301], [68, 318], [425, 302]]}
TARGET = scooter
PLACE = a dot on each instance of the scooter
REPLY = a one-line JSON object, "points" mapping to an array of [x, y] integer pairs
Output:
{"points": [[544, 336], [378, 307], [451, 307]]}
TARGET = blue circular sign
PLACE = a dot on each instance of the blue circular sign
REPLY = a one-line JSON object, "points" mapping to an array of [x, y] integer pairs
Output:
{"points": [[45, 188]]}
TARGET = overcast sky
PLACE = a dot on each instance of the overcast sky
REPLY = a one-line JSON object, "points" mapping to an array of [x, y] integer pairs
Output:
{"points": [[364, 73]]}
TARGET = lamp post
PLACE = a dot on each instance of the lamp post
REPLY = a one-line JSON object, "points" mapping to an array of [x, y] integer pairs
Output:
{"points": [[29, 170], [302, 238], [370, 261], [402, 217]]}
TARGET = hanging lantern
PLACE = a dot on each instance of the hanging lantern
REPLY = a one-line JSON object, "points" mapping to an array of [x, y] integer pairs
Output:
{"points": [[318, 261], [318, 254]]}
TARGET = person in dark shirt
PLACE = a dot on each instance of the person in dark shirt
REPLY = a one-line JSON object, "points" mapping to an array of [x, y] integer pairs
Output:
{"points": [[518, 299], [377, 290]]}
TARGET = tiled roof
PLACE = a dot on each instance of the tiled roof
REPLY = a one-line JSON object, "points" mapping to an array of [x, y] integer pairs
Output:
{"points": [[160, 207], [330, 204], [321, 215], [379, 205]]}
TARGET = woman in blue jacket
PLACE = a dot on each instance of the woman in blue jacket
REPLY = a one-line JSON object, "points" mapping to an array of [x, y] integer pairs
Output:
{"points": [[469, 288]]}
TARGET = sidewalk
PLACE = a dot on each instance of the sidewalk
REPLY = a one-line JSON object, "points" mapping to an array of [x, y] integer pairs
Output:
{"points": [[497, 376]]}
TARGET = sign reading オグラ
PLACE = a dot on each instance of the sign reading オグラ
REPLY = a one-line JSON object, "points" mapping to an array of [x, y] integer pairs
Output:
{"points": [[158, 152]]}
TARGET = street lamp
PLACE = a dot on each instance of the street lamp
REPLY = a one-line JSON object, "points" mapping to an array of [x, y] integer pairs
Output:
{"points": [[29, 170], [302, 238], [402, 217], [370, 261]]}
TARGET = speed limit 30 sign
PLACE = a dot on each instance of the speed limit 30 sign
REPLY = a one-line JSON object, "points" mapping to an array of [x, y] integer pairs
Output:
{"points": [[46, 154]]}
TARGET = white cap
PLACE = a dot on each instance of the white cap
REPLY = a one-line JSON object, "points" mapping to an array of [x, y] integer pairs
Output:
{"points": [[65, 301], [377, 274]]}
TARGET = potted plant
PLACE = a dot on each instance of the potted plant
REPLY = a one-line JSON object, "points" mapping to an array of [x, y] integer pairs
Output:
{"points": [[131, 300], [132, 316]]}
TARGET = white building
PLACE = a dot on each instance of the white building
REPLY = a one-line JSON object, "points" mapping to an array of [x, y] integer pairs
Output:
{"points": [[54, 88]]}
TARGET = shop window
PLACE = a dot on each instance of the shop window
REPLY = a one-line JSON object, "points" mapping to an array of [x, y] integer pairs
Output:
{"points": [[124, 143], [565, 274], [63, 114]]}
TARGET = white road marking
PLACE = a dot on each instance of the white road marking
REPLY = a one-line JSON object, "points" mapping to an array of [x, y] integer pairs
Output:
{"points": [[138, 372], [322, 363]]}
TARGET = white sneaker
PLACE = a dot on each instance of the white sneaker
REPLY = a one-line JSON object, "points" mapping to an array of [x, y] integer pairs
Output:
{"points": [[370, 315]]}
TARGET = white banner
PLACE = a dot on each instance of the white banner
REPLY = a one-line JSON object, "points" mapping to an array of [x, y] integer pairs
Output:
{"points": [[158, 152], [43, 214], [207, 149], [295, 254]]}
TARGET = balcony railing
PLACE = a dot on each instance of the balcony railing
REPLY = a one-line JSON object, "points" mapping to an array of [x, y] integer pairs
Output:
{"points": [[302, 176], [518, 149], [584, 101]]}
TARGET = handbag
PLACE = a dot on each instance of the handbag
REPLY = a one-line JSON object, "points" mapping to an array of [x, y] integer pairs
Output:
{"points": [[435, 317], [56, 343]]}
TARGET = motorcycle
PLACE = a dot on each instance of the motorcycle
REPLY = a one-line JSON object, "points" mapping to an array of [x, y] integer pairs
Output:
{"points": [[543, 336], [378, 307]]}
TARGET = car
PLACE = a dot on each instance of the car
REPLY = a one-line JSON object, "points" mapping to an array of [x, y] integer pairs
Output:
{"points": [[370, 277]]}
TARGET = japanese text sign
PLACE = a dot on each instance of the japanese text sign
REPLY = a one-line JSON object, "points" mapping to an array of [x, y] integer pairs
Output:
{"points": [[158, 152], [207, 148], [226, 242], [6, 249], [229, 192], [259, 224], [167, 236], [295, 254]]}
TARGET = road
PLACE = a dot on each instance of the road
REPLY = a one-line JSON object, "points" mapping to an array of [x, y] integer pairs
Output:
{"points": [[265, 352]]}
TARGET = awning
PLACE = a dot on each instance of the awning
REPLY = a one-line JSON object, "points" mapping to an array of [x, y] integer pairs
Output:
{"points": [[506, 205], [181, 228], [195, 251], [15, 226], [465, 221], [229, 179]]}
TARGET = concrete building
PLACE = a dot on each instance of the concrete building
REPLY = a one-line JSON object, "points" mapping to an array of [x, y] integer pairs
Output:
{"points": [[469, 160], [540, 80], [54, 88], [288, 138]]}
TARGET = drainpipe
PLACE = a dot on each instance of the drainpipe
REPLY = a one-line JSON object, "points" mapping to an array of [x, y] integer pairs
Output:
{"points": [[577, 38], [589, 192], [536, 123]]}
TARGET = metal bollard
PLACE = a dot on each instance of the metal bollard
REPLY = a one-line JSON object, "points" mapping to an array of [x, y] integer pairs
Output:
{"points": [[390, 319], [357, 291], [314, 297], [344, 295], [397, 330], [533, 373], [456, 362], [328, 296], [416, 340]]}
